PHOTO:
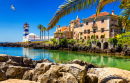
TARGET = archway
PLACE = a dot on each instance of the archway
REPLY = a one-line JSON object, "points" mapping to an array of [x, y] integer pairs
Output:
{"points": [[105, 45], [99, 44]]}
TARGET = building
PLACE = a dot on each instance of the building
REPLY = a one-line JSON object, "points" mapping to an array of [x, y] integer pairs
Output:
{"points": [[62, 32], [32, 37], [101, 27]]}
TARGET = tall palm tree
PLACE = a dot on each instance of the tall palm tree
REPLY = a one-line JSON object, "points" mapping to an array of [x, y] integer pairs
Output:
{"points": [[48, 33], [74, 5], [44, 29], [40, 27]]}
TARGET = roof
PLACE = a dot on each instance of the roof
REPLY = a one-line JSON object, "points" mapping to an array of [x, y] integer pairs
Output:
{"points": [[100, 14], [26, 23]]}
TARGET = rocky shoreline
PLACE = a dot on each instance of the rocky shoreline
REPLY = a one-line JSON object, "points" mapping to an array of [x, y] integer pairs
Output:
{"points": [[22, 69], [118, 50]]}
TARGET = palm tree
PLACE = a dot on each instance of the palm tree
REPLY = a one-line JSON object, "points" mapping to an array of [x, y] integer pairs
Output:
{"points": [[40, 27], [74, 5], [48, 33], [42, 32], [44, 29]]}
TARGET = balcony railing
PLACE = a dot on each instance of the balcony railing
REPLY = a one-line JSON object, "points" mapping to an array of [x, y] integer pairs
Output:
{"points": [[94, 25]]}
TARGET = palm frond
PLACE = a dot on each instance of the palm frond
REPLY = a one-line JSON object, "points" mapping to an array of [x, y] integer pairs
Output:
{"points": [[69, 7], [77, 5]]}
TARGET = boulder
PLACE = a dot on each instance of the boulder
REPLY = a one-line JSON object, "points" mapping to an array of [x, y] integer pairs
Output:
{"points": [[117, 81], [82, 63], [2, 75], [41, 68], [91, 78], [17, 59], [17, 81], [79, 72], [28, 75], [106, 74], [3, 57], [16, 72], [67, 78], [51, 76]]}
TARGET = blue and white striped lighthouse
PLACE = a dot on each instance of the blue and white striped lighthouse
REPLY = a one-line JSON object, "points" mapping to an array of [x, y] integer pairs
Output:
{"points": [[26, 32]]}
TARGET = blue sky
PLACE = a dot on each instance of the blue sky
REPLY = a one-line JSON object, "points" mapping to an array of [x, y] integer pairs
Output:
{"points": [[36, 12]]}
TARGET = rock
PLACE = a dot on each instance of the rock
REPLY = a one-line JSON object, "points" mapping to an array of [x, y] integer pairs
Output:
{"points": [[106, 74], [12, 63], [91, 78], [82, 63], [51, 76], [16, 72], [3, 57], [17, 81], [67, 78], [41, 68], [17, 59], [2, 75], [28, 75], [117, 81], [79, 72]]}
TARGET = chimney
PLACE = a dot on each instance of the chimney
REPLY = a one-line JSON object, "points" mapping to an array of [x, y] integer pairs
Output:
{"points": [[113, 12], [58, 26]]}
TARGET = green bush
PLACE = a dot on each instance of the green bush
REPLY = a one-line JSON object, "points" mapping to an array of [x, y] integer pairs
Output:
{"points": [[72, 42], [93, 36], [63, 41], [88, 42], [54, 40], [97, 41], [123, 39], [102, 36]]}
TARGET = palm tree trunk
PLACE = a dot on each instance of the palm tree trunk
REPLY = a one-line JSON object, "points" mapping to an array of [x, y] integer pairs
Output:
{"points": [[40, 33], [48, 35], [44, 34]]}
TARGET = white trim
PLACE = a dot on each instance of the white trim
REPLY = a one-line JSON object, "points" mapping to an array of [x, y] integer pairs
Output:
{"points": [[108, 22]]}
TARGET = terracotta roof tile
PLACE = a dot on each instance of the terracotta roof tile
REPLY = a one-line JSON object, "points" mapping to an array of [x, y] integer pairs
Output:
{"points": [[100, 14]]}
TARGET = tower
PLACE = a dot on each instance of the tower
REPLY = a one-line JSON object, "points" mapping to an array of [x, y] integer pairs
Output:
{"points": [[78, 20], [26, 32]]}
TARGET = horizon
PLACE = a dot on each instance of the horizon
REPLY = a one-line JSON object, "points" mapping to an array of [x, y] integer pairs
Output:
{"points": [[36, 12]]}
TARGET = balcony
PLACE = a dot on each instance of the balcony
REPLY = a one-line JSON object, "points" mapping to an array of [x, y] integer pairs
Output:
{"points": [[94, 25]]}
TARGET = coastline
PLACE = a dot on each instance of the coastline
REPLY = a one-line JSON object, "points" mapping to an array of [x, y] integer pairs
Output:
{"points": [[44, 71], [122, 51]]}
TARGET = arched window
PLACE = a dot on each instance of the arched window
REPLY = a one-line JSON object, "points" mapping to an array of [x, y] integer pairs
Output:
{"points": [[84, 37]]}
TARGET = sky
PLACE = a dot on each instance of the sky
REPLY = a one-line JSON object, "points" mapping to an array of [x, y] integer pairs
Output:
{"points": [[36, 12]]}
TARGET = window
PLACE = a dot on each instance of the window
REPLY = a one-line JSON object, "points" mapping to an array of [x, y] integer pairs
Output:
{"points": [[88, 37], [102, 21], [86, 23], [84, 37], [102, 30], [94, 30], [94, 22], [111, 29], [88, 31], [97, 36], [84, 31]]}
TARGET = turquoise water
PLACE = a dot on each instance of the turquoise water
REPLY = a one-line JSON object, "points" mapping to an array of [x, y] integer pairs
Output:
{"points": [[56, 56]]}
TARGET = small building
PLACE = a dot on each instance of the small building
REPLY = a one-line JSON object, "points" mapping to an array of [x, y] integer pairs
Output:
{"points": [[32, 37]]}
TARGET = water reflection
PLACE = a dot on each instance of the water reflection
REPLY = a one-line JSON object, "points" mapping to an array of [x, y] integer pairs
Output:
{"points": [[37, 54], [66, 56]]}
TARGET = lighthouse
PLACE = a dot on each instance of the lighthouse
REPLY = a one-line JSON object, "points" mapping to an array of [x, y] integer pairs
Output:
{"points": [[26, 32]]}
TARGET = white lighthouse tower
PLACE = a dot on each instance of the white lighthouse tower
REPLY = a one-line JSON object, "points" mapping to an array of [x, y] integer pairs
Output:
{"points": [[26, 32]]}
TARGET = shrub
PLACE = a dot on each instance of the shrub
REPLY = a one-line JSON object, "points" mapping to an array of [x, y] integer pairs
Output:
{"points": [[88, 42], [63, 41], [54, 41], [97, 41], [72, 42]]}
